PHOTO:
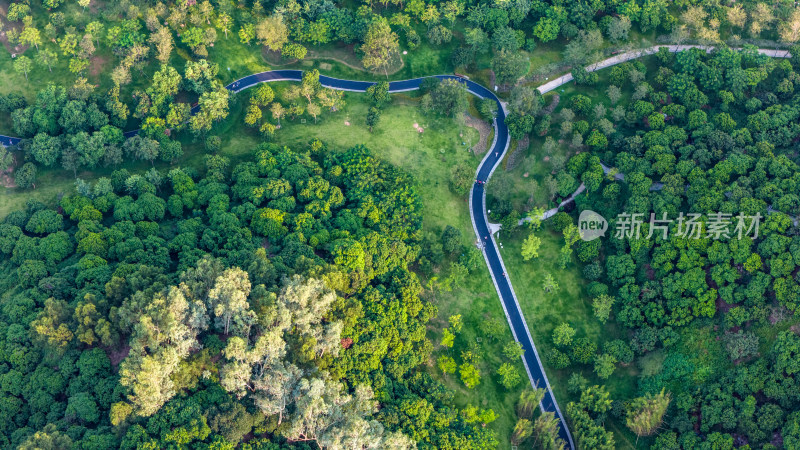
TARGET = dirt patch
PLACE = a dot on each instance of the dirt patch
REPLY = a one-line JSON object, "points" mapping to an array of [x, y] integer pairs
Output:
{"points": [[116, 355], [96, 65], [6, 26], [343, 55], [723, 306], [7, 179], [274, 58], [7, 176], [483, 131], [517, 153]]}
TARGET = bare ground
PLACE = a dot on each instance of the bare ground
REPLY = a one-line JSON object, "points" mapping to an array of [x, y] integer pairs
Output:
{"points": [[97, 63], [116, 355], [483, 130], [7, 176], [274, 58]]}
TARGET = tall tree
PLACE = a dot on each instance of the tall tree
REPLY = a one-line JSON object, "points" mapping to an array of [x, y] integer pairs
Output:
{"points": [[381, 46], [272, 32], [47, 57], [228, 299], [23, 65], [645, 414]]}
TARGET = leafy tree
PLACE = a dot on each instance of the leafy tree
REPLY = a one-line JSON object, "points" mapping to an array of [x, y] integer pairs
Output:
{"points": [[373, 117], [30, 35], [380, 46], [446, 364], [509, 376], [549, 284], [583, 350], [378, 94], [272, 32], [455, 323], [247, 33], [23, 65], [25, 176], [508, 67], [470, 375], [530, 247], [602, 307], [83, 407], [604, 365], [563, 334], [6, 158], [228, 300], [45, 149], [461, 179], [451, 239], [449, 98], [488, 109], [447, 338], [513, 350], [48, 438], [645, 414]]}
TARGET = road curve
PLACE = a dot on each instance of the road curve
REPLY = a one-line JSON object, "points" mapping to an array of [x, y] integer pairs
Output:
{"points": [[477, 202]]}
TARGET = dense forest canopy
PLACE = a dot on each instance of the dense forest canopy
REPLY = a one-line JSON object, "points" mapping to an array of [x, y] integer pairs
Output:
{"points": [[709, 314], [271, 297]]}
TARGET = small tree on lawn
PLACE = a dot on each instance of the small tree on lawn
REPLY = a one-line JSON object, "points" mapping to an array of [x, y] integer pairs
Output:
{"points": [[23, 65], [509, 376], [446, 364], [470, 375], [550, 284]]}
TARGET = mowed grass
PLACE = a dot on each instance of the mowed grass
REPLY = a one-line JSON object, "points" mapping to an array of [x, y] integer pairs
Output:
{"points": [[428, 156], [545, 311]]}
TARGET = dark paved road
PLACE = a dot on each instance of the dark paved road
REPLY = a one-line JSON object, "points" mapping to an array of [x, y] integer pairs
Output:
{"points": [[480, 222]]}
